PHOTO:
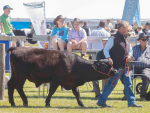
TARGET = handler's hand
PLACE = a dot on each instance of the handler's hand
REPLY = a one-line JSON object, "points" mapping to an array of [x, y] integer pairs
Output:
{"points": [[132, 59], [110, 61], [128, 58]]}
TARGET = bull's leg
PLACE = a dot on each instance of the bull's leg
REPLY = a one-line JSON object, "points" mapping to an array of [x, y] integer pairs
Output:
{"points": [[77, 95], [11, 89], [19, 88], [54, 85]]}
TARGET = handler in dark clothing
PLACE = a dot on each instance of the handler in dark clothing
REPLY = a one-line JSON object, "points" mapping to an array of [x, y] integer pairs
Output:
{"points": [[100, 55], [118, 50]]}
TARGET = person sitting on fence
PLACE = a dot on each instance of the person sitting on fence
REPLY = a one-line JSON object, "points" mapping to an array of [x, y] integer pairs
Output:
{"points": [[77, 37], [141, 53], [5, 21], [59, 34]]}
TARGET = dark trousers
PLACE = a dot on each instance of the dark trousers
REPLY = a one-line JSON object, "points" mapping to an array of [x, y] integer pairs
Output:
{"points": [[145, 79]]}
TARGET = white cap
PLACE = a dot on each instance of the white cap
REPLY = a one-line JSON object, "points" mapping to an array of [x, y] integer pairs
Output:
{"points": [[105, 39]]}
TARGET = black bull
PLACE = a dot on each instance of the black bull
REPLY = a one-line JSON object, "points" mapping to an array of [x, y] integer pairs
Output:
{"points": [[60, 68]]}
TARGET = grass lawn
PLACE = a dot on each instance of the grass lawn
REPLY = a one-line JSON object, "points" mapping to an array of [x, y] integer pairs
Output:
{"points": [[64, 101]]}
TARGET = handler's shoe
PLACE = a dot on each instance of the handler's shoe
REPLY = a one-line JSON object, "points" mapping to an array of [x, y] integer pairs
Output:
{"points": [[97, 97], [135, 105], [124, 98], [103, 105]]}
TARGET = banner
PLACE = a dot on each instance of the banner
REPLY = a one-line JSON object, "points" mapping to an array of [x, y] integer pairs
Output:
{"points": [[36, 12], [137, 15], [129, 10]]}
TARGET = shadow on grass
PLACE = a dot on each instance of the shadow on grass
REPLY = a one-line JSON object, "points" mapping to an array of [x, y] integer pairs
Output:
{"points": [[57, 97], [58, 107]]}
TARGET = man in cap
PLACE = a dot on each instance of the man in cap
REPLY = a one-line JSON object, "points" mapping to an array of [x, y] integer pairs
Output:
{"points": [[5, 21], [100, 56], [141, 53], [147, 32]]}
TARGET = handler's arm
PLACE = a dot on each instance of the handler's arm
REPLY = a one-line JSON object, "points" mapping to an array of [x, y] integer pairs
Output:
{"points": [[108, 46]]}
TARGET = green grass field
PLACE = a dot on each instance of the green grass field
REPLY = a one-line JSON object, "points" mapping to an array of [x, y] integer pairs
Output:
{"points": [[64, 101]]}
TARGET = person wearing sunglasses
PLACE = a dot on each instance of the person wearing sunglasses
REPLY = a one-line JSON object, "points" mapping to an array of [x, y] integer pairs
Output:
{"points": [[141, 52]]}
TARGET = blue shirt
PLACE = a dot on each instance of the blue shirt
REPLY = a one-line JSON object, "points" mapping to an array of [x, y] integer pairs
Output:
{"points": [[63, 33], [143, 56], [110, 44]]}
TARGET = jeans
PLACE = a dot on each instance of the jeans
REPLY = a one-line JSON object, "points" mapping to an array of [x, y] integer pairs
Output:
{"points": [[111, 85], [10, 34]]}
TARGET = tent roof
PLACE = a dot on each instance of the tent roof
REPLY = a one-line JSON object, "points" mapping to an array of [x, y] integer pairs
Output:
{"points": [[83, 9]]}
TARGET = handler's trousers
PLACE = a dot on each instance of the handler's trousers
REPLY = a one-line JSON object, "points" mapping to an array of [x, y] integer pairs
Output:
{"points": [[111, 85]]}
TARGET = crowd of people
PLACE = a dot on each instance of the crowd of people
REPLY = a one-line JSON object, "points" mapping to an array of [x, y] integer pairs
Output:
{"points": [[116, 49]]}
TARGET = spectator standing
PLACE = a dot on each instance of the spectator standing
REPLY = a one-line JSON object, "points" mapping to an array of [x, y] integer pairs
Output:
{"points": [[48, 30], [87, 29], [116, 25], [69, 26], [139, 29], [101, 32], [109, 25], [146, 27]]}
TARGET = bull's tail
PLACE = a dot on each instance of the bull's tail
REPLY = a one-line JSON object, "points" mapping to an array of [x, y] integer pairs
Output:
{"points": [[11, 49]]}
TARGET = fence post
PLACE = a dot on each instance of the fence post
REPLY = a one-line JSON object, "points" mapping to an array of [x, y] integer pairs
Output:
{"points": [[2, 71]]}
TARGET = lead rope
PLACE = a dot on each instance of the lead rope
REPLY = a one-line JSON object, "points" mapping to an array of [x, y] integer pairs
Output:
{"points": [[126, 65], [124, 70]]}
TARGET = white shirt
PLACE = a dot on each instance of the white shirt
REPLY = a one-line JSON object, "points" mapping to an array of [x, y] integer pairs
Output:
{"points": [[110, 26], [99, 32], [139, 32]]}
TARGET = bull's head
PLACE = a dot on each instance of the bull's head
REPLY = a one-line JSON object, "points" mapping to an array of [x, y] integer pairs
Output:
{"points": [[104, 67]]}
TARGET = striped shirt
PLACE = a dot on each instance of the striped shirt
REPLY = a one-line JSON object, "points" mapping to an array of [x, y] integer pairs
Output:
{"points": [[143, 56]]}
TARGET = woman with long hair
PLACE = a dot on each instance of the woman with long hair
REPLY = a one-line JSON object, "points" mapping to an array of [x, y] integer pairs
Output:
{"points": [[59, 34]]}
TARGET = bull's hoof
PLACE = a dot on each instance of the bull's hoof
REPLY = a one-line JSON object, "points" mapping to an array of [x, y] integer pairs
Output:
{"points": [[13, 105], [47, 105], [83, 105], [26, 105]]}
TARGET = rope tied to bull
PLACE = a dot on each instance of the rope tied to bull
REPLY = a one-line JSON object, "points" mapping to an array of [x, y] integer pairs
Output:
{"points": [[126, 66]]}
